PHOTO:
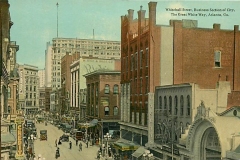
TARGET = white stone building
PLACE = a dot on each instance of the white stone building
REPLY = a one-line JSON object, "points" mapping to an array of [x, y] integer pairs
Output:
{"points": [[84, 47], [190, 123], [28, 88], [41, 75]]}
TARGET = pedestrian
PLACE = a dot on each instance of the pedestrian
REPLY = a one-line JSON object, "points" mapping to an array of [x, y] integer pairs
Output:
{"points": [[70, 145], [80, 146], [76, 142], [56, 142], [87, 143]]}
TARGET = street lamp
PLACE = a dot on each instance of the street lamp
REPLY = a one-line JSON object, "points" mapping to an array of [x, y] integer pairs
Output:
{"points": [[30, 146], [39, 157], [147, 155], [107, 137]]}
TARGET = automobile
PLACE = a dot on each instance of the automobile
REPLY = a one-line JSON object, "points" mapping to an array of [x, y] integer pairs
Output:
{"points": [[43, 135], [67, 128], [79, 135], [73, 132], [40, 119], [64, 138]]}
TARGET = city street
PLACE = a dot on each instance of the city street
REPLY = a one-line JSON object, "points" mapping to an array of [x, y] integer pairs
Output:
{"points": [[47, 148]]}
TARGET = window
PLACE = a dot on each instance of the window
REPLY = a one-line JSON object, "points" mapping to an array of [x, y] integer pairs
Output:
{"points": [[115, 111], [147, 86], [136, 60], [107, 89], [165, 102], [176, 105], [9, 92], [188, 105], [170, 105], [181, 105], [115, 89], [146, 57], [132, 62], [106, 111], [217, 58], [160, 102], [140, 58], [141, 82]]}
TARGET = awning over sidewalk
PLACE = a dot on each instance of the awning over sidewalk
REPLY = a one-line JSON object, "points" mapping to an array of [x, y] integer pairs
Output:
{"points": [[139, 152], [125, 145]]}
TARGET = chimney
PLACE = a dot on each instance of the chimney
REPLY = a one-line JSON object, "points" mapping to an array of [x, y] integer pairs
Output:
{"points": [[141, 14], [130, 14], [152, 12]]}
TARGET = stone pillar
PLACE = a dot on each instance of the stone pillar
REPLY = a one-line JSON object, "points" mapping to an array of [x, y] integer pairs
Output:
{"points": [[150, 118]]}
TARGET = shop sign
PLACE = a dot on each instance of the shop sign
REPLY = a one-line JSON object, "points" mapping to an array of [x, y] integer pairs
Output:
{"points": [[19, 123]]}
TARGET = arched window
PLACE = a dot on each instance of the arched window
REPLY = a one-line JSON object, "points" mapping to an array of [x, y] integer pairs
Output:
{"points": [[106, 111], [107, 89], [160, 102], [176, 105], [165, 102], [9, 92], [188, 106], [115, 111], [181, 105], [115, 89], [170, 105]]}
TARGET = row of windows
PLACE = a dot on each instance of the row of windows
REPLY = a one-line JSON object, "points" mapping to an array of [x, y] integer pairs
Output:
{"points": [[30, 88], [72, 42], [33, 73], [31, 95], [138, 87], [30, 103], [107, 110], [107, 89], [143, 60], [165, 103]]}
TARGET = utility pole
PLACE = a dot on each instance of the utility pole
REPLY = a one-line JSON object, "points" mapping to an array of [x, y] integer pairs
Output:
{"points": [[57, 19]]}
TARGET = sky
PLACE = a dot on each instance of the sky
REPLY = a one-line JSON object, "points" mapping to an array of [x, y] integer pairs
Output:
{"points": [[35, 21]]}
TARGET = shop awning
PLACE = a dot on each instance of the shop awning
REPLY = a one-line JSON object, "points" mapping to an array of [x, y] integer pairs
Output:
{"points": [[139, 152], [124, 145]]}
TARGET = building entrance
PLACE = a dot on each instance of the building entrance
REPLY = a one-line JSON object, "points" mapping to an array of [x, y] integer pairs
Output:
{"points": [[210, 146]]}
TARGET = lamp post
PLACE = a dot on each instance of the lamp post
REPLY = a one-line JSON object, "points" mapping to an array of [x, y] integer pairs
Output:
{"points": [[30, 146], [107, 137]]}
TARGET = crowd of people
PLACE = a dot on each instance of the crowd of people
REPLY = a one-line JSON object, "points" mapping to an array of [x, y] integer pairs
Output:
{"points": [[80, 144]]}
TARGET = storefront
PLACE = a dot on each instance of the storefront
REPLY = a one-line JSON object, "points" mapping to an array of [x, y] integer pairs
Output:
{"points": [[125, 149]]}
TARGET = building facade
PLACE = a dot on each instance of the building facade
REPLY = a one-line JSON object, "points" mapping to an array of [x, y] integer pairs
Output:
{"points": [[28, 89], [66, 80], [48, 65], [103, 100], [47, 98], [175, 110], [78, 82], [5, 25], [158, 55], [83, 47], [41, 75], [13, 80]]}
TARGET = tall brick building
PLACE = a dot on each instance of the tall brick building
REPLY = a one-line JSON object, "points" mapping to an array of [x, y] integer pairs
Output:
{"points": [[157, 55]]}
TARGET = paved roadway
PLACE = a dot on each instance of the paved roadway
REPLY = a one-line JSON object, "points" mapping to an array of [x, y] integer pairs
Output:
{"points": [[47, 148]]}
